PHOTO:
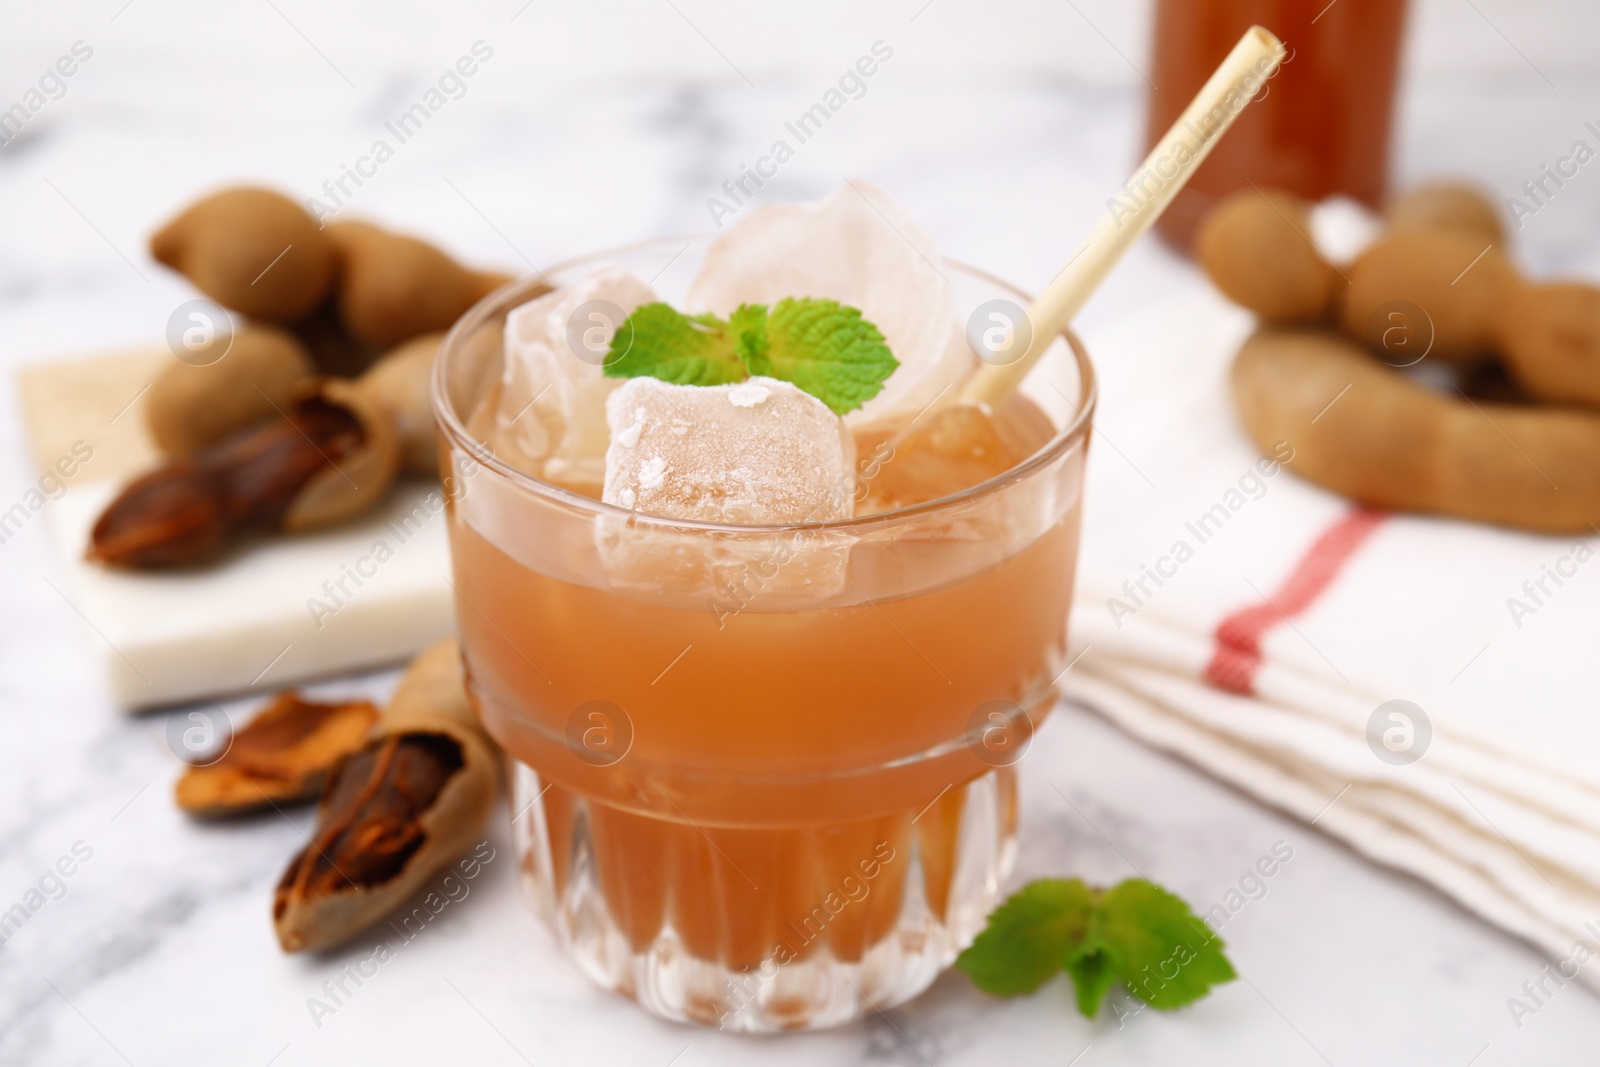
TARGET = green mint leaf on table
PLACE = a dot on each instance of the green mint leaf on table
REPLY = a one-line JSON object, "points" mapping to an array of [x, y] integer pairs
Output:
{"points": [[1169, 957], [677, 348], [1135, 933], [1028, 937], [821, 346], [1094, 966]]}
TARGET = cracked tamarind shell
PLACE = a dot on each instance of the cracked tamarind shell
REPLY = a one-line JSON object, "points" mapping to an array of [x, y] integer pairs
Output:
{"points": [[393, 287], [191, 406], [283, 755], [251, 250], [401, 383], [1448, 206], [330, 454], [361, 476], [415, 798], [1457, 281], [1370, 433], [1256, 248]]}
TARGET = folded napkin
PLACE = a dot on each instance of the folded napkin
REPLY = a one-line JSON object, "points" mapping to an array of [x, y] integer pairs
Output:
{"points": [[1261, 628]]}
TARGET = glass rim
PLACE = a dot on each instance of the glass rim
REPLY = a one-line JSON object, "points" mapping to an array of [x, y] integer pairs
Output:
{"points": [[453, 426]]}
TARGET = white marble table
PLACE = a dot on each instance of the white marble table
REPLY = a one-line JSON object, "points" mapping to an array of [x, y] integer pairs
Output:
{"points": [[161, 951]]}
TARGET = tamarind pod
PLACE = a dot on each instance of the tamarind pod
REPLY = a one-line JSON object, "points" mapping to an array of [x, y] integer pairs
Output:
{"points": [[1256, 247], [190, 406], [251, 250], [485, 282], [1458, 282], [330, 456], [409, 802], [1448, 206], [1550, 341], [1366, 431], [400, 383], [393, 287]]}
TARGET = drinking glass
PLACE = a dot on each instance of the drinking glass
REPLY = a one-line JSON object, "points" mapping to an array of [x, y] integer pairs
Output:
{"points": [[742, 799]]}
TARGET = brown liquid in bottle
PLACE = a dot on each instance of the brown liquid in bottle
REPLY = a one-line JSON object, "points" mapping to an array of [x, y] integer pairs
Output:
{"points": [[1320, 128]]}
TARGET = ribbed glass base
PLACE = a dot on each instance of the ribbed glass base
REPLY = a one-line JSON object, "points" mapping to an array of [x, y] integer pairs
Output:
{"points": [[764, 929]]}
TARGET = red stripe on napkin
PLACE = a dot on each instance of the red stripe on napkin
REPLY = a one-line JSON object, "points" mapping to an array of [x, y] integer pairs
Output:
{"points": [[1237, 656]]}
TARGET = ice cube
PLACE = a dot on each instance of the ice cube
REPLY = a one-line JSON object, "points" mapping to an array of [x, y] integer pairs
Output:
{"points": [[861, 248], [759, 452], [550, 420]]}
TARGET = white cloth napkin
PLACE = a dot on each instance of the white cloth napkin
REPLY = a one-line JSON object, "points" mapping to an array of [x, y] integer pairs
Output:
{"points": [[1501, 810]]}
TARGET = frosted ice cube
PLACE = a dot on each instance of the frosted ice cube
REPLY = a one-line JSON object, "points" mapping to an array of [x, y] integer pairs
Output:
{"points": [[550, 419], [861, 248], [760, 452]]}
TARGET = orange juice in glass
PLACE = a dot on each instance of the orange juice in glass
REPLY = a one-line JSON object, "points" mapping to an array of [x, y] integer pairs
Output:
{"points": [[754, 802]]}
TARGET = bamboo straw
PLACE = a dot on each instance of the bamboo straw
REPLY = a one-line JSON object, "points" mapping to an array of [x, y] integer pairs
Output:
{"points": [[1139, 203]]}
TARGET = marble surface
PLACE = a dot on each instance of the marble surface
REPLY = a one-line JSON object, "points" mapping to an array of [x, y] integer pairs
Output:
{"points": [[159, 948]]}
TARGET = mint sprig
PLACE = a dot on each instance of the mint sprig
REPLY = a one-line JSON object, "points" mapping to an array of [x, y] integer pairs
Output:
{"points": [[822, 346], [682, 349], [1135, 933]]}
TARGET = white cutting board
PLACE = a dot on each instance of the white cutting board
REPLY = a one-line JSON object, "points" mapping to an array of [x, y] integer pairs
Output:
{"points": [[262, 617]]}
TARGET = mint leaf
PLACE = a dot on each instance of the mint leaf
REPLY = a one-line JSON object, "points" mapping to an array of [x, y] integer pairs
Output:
{"points": [[1028, 937], [825, 348], [682, 349], [749, 325], [1094, 967], [1169, 957], [1136, 934]]}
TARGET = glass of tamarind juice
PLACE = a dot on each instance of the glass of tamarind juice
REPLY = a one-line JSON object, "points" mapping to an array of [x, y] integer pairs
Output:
{"points": [[762, 777]]}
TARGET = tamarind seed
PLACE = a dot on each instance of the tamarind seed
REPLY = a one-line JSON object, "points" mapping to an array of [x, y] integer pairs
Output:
{"points": [[1256, 248], [1550, 341], [189, 406], [1456, 283], [251, 250], [1448, 206]]}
